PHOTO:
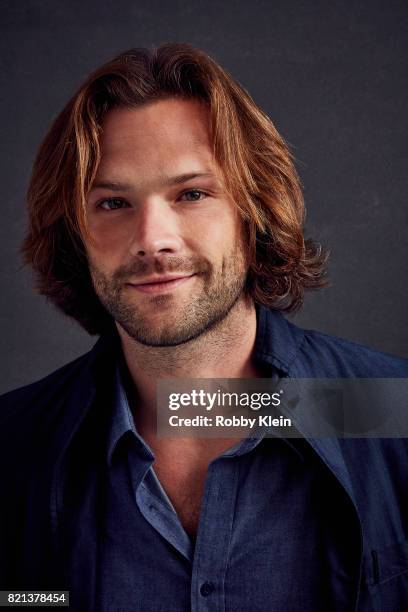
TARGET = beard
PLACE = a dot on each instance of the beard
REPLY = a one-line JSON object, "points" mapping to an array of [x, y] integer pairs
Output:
{"points": [[169, 319]]}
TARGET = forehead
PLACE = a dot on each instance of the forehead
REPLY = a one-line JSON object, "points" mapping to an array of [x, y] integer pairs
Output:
{"points": [[156, 134]]}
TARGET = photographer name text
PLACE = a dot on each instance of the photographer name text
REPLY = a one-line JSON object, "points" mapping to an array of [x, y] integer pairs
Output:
{"points": [[233, 421]]}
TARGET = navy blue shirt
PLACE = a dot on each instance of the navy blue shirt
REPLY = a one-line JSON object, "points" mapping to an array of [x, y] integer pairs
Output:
{"points": [[300, 524], [275, 530]]}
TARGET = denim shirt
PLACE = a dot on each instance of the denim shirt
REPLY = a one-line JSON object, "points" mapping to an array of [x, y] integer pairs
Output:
{"points": [[273, 533], [306, 524]]}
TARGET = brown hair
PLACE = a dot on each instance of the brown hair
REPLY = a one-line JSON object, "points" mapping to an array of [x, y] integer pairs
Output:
{"points": [[257, 166]]}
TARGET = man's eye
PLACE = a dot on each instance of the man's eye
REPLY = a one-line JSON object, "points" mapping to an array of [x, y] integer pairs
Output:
{"points": [[111, 204], [193, 195]]}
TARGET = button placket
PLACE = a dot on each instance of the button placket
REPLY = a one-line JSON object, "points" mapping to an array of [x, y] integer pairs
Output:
{"points": [[213, 537]]}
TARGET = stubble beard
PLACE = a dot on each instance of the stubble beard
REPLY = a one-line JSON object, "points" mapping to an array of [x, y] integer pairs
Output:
{"points": [[162, 322]]}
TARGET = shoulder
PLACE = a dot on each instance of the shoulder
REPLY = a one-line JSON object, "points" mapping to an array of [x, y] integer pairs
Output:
{"points": [[55, 382], [306, 353], [38, 421], [60, 381], [30, 415], [327, 355], [41, 406]]}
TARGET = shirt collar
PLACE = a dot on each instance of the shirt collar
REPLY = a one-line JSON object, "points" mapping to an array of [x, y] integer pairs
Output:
{"points": [[276, 343], [277, 340], [122, 420]]}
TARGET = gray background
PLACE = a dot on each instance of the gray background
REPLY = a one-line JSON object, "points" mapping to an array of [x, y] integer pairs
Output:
{"points": [[332, 75]]}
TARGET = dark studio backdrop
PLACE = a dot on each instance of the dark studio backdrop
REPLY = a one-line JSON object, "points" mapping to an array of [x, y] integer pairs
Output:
{"points": [[333, 76]]}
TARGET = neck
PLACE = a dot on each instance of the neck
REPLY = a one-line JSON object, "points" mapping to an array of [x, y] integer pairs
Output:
{"points": [[225, 351]]}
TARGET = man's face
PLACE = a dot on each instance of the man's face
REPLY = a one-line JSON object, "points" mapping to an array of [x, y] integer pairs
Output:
{"points": [[168, 258]]}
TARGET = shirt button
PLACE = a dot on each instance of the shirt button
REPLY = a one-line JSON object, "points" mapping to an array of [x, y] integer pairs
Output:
{"points": [[206, 589]]}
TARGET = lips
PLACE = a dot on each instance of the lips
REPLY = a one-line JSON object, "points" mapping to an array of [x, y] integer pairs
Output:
{"points": [[160, 279], [161, 284]]}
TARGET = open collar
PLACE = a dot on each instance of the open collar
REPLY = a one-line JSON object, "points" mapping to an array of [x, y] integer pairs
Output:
{"points": [[277, 343]]}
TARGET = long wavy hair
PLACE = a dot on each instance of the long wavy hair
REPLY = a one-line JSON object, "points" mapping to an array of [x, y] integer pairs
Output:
{"points": [[256, 163]]}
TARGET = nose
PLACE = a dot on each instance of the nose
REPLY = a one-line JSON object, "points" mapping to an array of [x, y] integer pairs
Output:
{"points": [[156, 229]]}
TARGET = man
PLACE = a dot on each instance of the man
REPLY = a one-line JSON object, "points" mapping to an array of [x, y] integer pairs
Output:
{"points": [[166, 217]]}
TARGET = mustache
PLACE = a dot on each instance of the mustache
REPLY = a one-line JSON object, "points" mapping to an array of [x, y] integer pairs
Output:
{"points": [[162, 265]]}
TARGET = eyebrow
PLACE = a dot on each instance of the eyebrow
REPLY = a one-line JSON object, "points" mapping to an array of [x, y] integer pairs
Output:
{"points": [[167, 182]]}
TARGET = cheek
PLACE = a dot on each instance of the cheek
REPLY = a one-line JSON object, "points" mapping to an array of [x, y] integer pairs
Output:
{"points": [[103, 259], [110, 234], [220, 231]]}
